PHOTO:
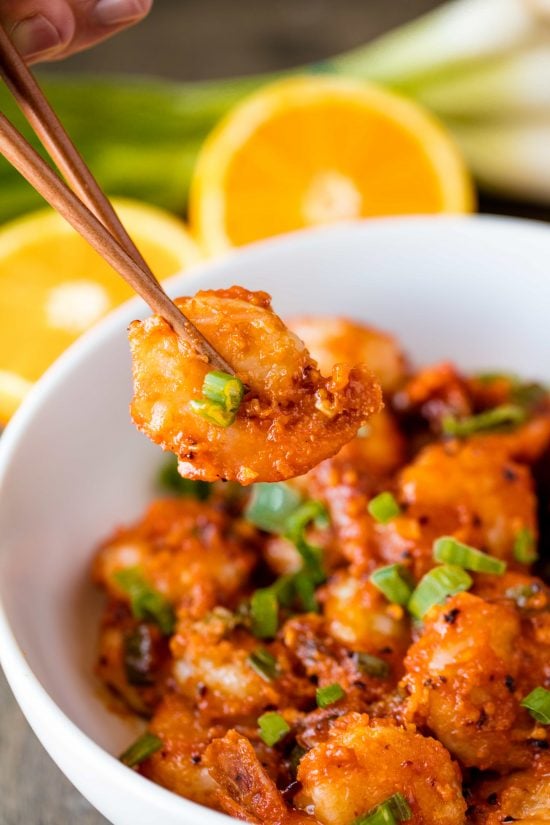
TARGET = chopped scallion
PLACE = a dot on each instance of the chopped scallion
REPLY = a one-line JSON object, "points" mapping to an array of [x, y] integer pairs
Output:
{"points": [[383, 507], [435, 586], [264, 664], [270, 506], [272, 728], [373, 665], [142, 749], [506, 415], [394, 582], [448, 550], [223, 389], [212, 412], [538, 705], [328, 695], [525, 550], [393, 810], [264, 613], [146, 603], [169, 479]]}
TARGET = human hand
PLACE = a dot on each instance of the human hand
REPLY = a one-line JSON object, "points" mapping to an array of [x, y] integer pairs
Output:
{"points": [[52, 29]]}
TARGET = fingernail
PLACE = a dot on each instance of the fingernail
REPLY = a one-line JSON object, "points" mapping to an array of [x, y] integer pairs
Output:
{"points": [[114, 12], [35, 35]]}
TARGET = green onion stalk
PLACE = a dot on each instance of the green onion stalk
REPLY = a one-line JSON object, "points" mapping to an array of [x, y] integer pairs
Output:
{"points": [[482, 66]]}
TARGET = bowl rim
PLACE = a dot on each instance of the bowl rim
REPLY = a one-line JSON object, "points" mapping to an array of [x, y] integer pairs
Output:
{"points": [[26, 686]]}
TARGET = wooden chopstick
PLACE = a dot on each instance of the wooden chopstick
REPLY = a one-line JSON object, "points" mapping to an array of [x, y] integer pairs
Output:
{"points": [[92, 215]]}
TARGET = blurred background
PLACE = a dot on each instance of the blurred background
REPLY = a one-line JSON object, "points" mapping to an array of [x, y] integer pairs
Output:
{"points": [[191, 40]]}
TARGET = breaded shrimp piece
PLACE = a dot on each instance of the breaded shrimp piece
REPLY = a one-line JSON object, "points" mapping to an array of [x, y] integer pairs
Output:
{"points": [[434, 392], [468, 490], [360, 617], [192, 552], [466, 676], [364, 762], [291, 417], [178, 764], [213, 668], [245, 791], [522, 797]]}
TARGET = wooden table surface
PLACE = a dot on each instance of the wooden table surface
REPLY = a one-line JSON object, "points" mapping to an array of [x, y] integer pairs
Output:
{"points": [[191, 39]]}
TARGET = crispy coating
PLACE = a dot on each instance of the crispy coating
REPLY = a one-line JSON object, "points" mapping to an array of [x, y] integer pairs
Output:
{"points": [[466, 676], [523, 796], [364, 762], [291, 417]]}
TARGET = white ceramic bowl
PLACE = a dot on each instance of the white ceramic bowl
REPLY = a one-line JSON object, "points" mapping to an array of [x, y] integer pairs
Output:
{"points": [[475, 290]]}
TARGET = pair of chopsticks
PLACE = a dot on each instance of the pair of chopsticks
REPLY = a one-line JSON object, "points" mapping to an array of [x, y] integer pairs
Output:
{"points": [[87, 208]]}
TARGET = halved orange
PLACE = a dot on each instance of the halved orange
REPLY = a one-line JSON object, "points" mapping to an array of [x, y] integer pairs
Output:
{"points": [[312, 150], [53, 286]]}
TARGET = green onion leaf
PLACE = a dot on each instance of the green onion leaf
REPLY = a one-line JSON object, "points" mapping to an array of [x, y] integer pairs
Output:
{"points": [[393, 810], [212, 412], [435, 586], [146, 603], [373, 665], [304, 589], [142, 749], [525, 550], [265, 664], [506, 415], [223, 389], [270, 506], [328, 695], [538, 705], [264, 612], [170, 480], [383, 507], [394, 582], [272, 728], [448, 550]]}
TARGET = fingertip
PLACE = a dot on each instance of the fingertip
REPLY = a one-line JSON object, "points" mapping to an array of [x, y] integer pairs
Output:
{"points": [[41, 36], [121, 12]]}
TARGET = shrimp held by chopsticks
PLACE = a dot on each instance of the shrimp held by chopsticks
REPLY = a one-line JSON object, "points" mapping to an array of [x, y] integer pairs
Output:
{"points": [[290, 418]]}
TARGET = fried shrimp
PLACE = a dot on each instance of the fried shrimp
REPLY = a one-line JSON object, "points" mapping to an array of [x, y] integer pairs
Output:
{"points": [[291, 417], [364, 762]]}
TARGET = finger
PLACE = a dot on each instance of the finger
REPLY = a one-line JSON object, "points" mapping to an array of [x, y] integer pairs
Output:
{"points": [[38, 28], [97, 20]]}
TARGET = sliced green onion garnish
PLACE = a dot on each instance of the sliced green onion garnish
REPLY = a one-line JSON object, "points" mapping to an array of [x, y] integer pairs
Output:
{"points": [[304, 589], [394, 582], [435, 586], [538, 705], [146, 603], [448, 550], [270, 506], [525, 550], [306, 513], [264, 612], [373, 665], [264, 664], [328, 695], [212, 412], [223, 389], [393, 810], [142, 749], [169, 479], [383, 507], [505, 415], [272, 728]]}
